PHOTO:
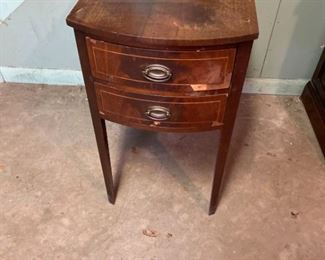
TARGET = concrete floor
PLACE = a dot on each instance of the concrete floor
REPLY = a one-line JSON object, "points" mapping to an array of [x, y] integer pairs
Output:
{"points": [[53, 203]]}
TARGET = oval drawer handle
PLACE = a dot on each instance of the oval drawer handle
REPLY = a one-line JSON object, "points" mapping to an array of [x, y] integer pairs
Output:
{"points": [[158, 113], [157, 73]]}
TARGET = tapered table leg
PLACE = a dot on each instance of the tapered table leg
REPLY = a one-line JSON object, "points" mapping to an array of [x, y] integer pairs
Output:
{"points": [[224, 144], [242, 59], [98, 122], [102, 143]]}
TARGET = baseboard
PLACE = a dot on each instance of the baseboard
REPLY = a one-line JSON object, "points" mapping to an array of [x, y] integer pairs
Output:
{"points": [[41, 76], [292, 87], [74, 77], [1, 78]]}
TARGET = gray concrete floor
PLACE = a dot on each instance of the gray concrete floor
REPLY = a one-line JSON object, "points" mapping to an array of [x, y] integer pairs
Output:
{"points": [[53, 203]]}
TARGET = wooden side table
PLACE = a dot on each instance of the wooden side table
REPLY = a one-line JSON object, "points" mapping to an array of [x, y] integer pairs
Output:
{"points": [[174, 66]]}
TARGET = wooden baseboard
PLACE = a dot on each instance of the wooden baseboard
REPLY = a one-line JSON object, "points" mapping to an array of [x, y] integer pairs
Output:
{"points": [[316, 112]]}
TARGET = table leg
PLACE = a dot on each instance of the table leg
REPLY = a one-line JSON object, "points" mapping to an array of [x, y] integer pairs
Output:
{"points": [[224, 144], [103, 149], [98, 122], [242, 59]]}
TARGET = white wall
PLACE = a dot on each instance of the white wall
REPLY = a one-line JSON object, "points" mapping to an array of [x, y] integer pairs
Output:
{"points": [[294, 48], [291, 33], [7, 7], [36, 36]]}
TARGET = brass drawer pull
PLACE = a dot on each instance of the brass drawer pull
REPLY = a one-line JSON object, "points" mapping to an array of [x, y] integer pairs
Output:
{"points": [[158, 113], [157, 73]]}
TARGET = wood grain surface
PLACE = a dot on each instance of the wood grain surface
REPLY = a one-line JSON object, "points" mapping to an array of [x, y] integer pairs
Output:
{"points": [[186, 114], [201, 70], [167, 23], [202, 50]]}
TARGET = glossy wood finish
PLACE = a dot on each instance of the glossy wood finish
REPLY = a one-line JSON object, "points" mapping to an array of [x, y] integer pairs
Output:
{"points": [[165, 24], [98, 122], [203, 49], [313, 98], [186, 114], [243, 54], [201, 70]]}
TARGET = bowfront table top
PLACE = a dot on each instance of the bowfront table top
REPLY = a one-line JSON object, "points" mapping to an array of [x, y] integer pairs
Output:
{"points": [[167, 23], [164, 66]]}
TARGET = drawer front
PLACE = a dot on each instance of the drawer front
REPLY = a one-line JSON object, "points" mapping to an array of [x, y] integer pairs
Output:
{"points": [[160, 113], [198, 70]]}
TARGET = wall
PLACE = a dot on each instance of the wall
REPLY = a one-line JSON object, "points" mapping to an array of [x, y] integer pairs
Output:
{"points": [[291, 35], [7, 7], [36, 36]]}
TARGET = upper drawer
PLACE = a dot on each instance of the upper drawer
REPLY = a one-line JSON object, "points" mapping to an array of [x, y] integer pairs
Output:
{"points": [[200, 70]]}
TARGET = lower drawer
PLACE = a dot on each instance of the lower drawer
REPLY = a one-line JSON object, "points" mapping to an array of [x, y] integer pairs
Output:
{"points": [[175, 114]]}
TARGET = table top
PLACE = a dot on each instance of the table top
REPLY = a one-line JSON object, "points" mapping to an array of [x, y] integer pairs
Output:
{"points": [[167, 22]]}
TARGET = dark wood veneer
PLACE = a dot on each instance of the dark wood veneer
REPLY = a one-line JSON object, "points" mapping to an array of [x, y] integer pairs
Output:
{"points": [[200, 70], [185, 113], [197, 53], [313, 98], [165, 24]]}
